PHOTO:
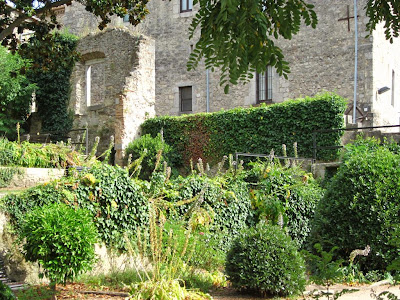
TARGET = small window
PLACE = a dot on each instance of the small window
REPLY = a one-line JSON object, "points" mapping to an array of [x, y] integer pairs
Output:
{"points": [[186, 5], [185, 96], [264, 86]]}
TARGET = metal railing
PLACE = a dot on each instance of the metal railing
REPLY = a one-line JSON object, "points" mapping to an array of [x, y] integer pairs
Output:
{"points": [[316, 147]]}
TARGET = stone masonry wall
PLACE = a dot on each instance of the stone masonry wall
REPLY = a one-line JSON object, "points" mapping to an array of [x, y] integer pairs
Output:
{"points": [[386, 70], [121, 64], [321, 59]]}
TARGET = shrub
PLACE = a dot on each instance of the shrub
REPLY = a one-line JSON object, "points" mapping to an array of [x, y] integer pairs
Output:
{"points": [[287, 191], [265, 260], [257, 130], [61, 239], [5, 292], [149, 147], [361, 205], [220, 205]]}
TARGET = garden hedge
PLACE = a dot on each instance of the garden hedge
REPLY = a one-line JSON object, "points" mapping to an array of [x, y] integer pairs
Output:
{"points": [[254, 130], [361, 205]]}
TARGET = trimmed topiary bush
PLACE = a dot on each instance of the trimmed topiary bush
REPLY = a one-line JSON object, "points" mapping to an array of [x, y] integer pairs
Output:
{"points": [[361, 205], [263, 259], [61, 239]]}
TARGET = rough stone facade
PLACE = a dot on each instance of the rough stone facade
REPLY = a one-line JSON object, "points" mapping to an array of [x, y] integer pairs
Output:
{"points": [[113, 86], [321, 60]]}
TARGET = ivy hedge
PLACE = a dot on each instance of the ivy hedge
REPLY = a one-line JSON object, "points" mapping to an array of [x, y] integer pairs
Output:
{"points": [[51, 73], [254, 130]]}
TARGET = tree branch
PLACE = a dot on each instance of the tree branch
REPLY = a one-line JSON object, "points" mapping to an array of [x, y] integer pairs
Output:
{"points": [[23, 17]]}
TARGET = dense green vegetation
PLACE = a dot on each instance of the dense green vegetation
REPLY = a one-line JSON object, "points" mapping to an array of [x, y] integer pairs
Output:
{"points": [[248, 221], [253, 130], [265, 260], [15, 93], [51, 74], [361, 205]]}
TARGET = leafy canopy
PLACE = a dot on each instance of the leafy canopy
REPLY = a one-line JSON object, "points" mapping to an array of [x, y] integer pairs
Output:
{"points": [[236, 36]]}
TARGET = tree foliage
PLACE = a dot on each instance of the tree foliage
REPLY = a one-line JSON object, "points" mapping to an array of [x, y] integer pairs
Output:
{"points": [[15, 93], [238, 36]]}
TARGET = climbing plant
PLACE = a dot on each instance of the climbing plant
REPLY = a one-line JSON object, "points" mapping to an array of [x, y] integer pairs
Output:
{"points": [[255, 129], [51, 71]]}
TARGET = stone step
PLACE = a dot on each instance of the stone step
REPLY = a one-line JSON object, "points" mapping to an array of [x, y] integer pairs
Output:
{"points": [[15, 286]]}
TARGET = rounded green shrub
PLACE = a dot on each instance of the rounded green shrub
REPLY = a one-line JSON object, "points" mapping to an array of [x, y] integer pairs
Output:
{"points": [[263, 259], [6, 293], [61, 239], [361, 206], [148, 147]]}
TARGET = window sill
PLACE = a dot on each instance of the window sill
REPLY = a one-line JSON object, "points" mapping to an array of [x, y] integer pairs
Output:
{"points": [[95, 107], [186, 14]]}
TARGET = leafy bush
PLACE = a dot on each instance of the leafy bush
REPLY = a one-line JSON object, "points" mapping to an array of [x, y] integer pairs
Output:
{"points": [[15, 93], [265, 260], [148, 147], [61, 239], [115, 202], [220, 205], [287, 192], [256, 130], [5, 292], [361, 205]]}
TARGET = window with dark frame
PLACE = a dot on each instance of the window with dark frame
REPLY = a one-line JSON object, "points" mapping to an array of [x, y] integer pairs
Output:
{"points": [[185, 98], [264, 86], [186, 5]]}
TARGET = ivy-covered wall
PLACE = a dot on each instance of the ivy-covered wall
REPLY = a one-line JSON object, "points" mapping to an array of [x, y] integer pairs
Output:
{"points": [[51, 72], [254, 130]]}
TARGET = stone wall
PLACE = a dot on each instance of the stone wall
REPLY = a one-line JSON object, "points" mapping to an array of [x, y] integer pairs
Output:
{"points": [[28, 177], [321, 59], [113, 86]]}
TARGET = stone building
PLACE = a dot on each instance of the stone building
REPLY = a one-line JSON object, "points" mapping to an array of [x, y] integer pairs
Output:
{"points": [[113, 86], [321, 59]]}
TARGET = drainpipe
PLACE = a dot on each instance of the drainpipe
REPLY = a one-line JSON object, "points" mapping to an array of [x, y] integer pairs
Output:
{"points": [[355, 63], [208, 90]]}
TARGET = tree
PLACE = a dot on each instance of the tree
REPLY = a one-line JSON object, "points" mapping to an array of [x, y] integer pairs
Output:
{"points": [[235, 35], [15, 93]]}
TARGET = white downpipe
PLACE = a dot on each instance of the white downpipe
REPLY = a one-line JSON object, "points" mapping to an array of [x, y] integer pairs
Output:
{"points": [[355, 63], [208, 90]]}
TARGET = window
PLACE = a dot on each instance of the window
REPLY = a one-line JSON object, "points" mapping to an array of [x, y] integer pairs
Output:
{"points": [[185, 98], [264, 86], [88, 85], [95, 82], [186, 5]]}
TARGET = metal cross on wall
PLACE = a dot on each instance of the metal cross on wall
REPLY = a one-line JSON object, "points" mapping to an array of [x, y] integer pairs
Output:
{"points": [[348, 17]]}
